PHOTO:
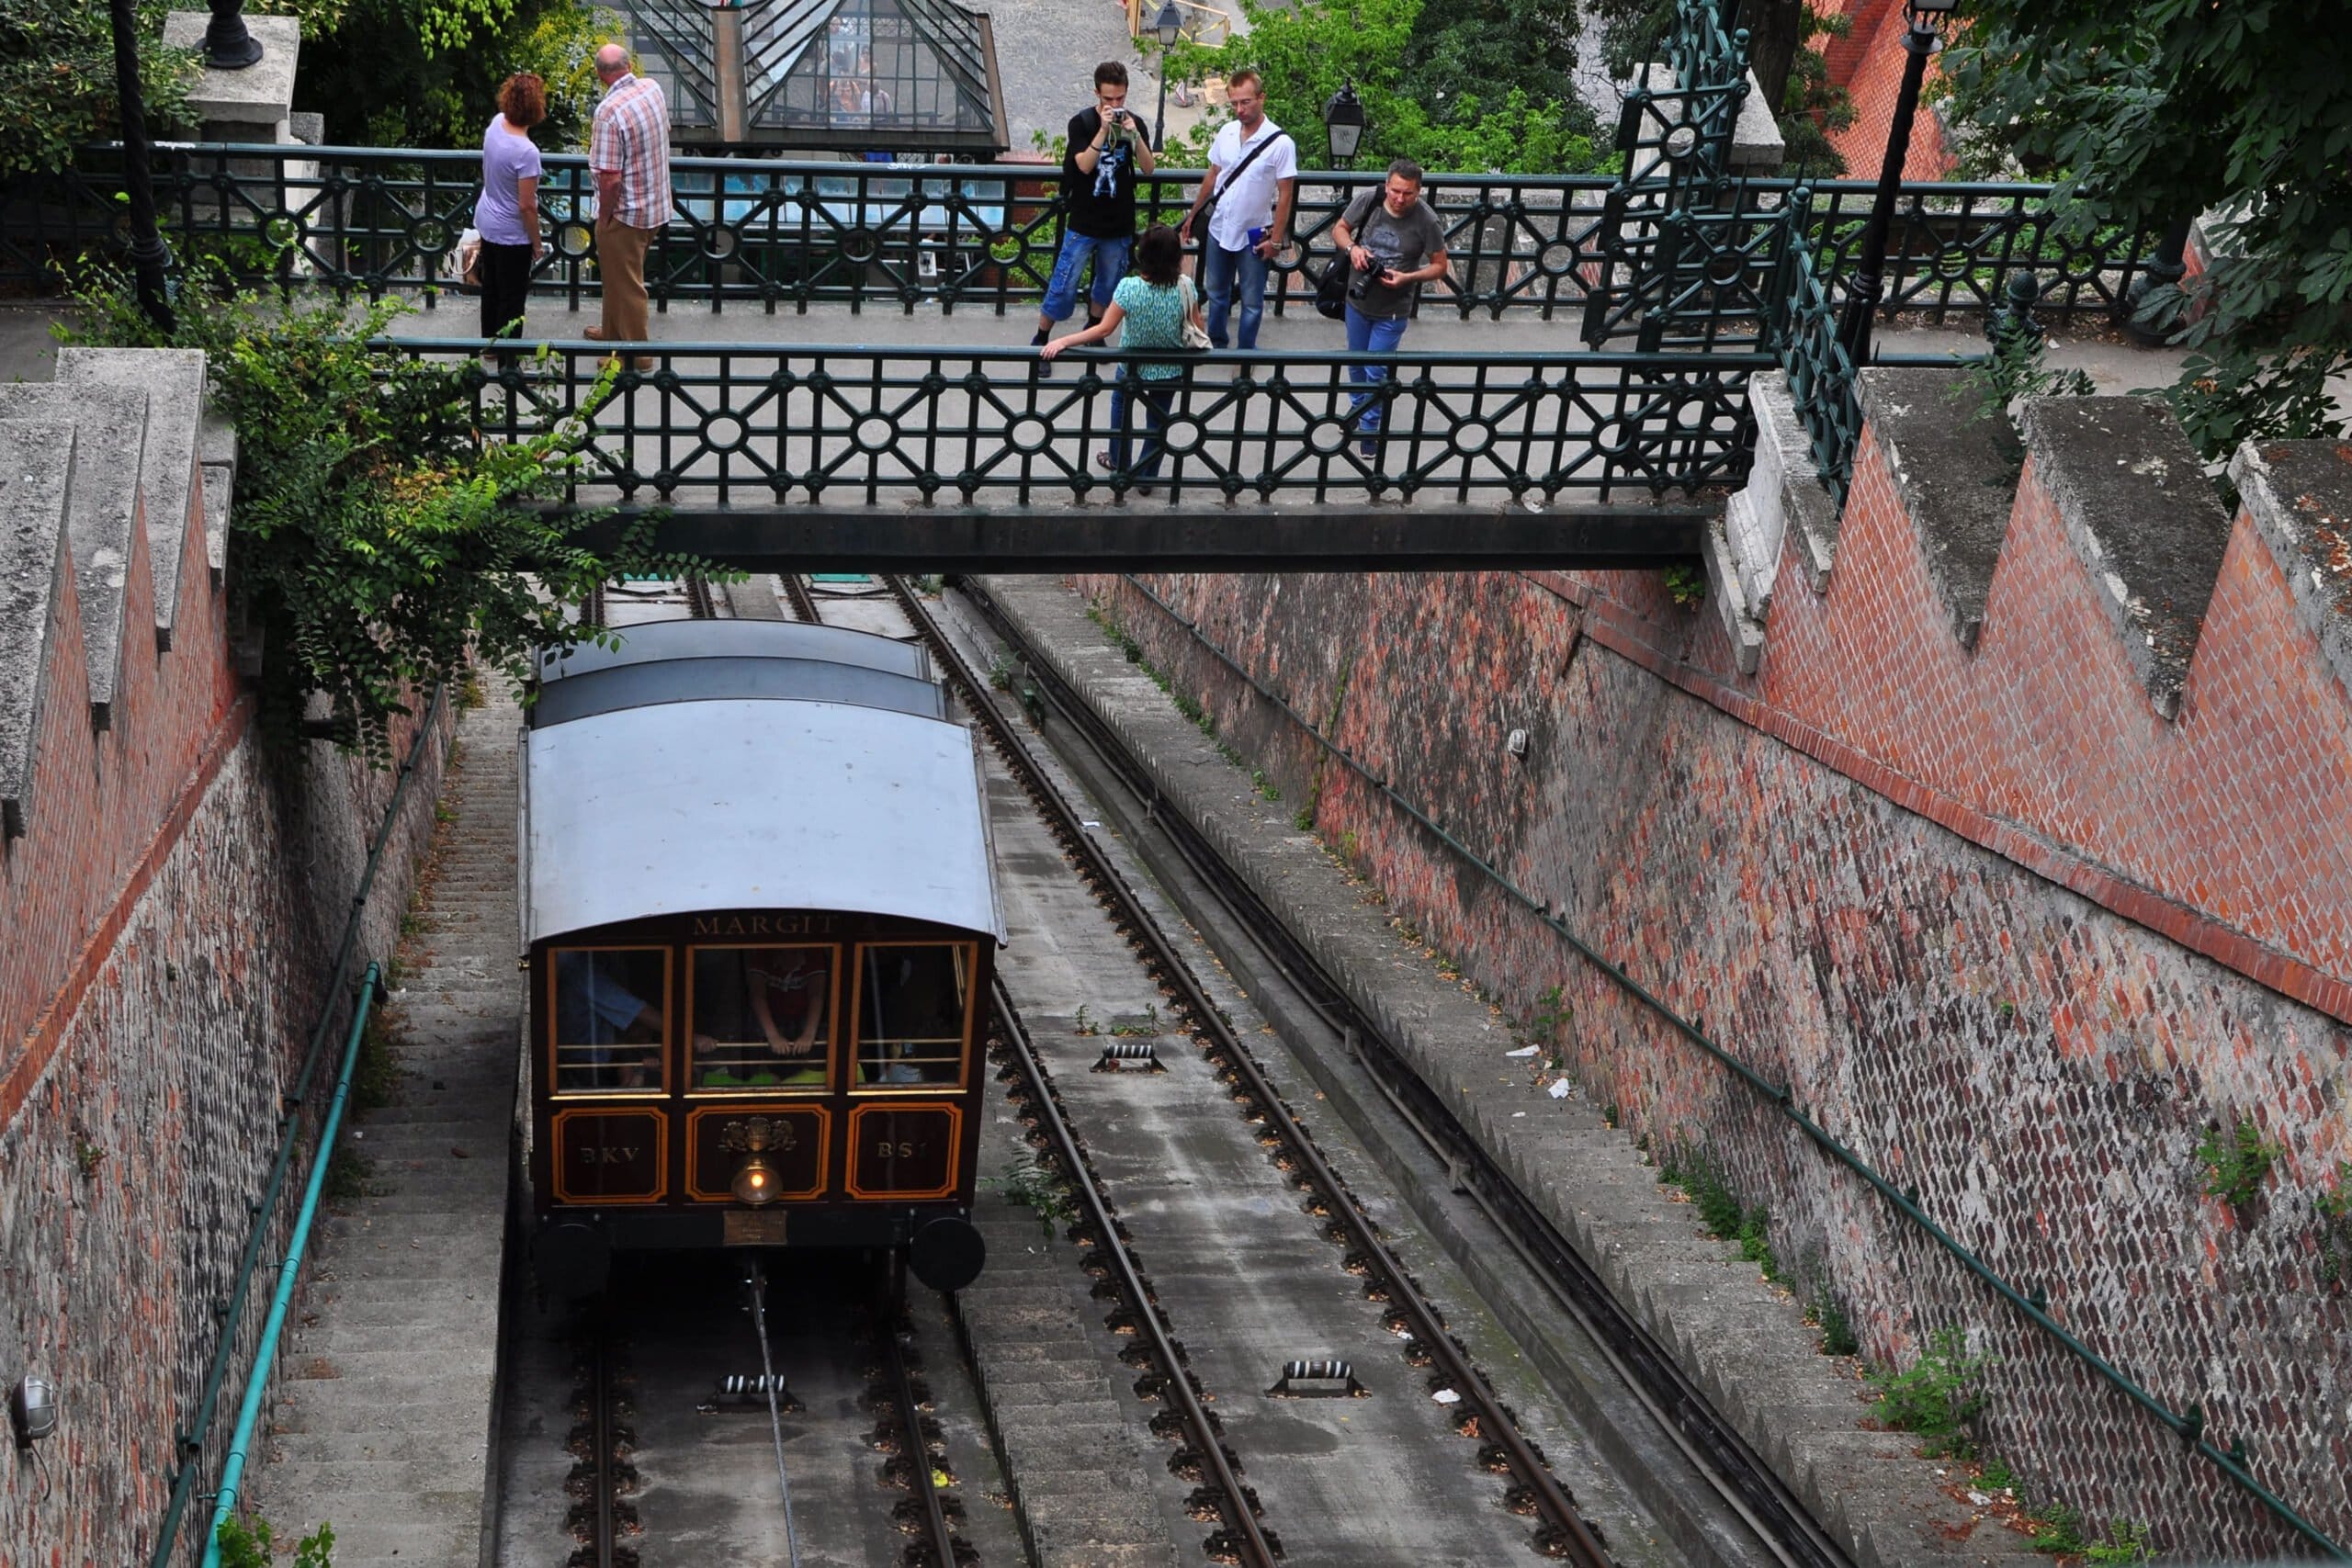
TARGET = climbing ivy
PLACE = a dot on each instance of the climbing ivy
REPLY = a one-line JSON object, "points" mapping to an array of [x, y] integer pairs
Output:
{"points": [[377, 540]]}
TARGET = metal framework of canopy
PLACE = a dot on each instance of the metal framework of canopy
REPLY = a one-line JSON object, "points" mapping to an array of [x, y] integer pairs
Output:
{"points": [[908, 77]]}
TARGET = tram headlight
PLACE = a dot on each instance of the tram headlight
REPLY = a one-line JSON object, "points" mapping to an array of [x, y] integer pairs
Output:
{"points": [[755, 1180]]}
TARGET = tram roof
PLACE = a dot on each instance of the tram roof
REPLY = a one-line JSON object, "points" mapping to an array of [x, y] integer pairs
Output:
{"points": [[753, 805], [655, 641]]}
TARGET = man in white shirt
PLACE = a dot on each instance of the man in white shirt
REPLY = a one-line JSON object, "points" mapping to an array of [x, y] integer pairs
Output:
{"points": [[1253, 174]]}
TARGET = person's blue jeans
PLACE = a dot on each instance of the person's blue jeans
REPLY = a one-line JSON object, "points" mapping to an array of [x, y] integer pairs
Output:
{"points": [[1370, 334], [1110, 258], [1224, 267], [1156, 397]]}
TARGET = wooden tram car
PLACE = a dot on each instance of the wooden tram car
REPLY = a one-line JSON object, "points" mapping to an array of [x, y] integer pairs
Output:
{"points": [[760, 918]]}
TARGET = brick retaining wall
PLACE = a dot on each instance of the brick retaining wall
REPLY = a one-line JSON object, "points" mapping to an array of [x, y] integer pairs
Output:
{"points": [[169, 912], [2041, 1065]]}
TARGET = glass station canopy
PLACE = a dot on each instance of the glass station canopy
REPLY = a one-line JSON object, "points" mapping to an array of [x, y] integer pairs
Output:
{"points": [[906, 77]]}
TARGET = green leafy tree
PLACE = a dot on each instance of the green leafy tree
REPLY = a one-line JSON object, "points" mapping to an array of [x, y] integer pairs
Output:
{"points": [[1783, 52], [57, 79], [425, 73], [2152, 112], [1421, 90], [377, 542]]}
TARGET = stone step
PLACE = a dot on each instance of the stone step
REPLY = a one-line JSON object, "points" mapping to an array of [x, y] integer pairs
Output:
{"points": [[465, 1258], [418, 1446], [413, 1401], [357, 1372]]}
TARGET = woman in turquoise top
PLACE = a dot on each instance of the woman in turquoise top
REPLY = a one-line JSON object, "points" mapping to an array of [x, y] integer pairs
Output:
{"points": [[1151, 304]]}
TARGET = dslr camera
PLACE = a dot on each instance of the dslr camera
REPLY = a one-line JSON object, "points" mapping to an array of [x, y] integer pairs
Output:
{"points": [[1360, 278]]}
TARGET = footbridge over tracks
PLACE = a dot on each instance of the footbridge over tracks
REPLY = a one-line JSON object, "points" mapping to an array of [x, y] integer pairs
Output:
{"points": [[839, 376]]}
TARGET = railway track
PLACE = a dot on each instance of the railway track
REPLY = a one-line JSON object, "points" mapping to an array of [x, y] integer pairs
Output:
{"points": [[1650, 1374], [1565, 1533], [648, 1476]]}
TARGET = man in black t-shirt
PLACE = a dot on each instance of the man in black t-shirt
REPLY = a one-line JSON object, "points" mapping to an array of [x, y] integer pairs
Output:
{"points": [[1107, 149]]}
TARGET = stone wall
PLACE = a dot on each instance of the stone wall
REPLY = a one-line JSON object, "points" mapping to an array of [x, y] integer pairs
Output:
{"points": [[171, 896], [1980, 992]]}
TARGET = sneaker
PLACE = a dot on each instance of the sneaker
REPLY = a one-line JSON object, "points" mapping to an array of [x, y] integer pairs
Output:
{"points": [[1368, 449]]}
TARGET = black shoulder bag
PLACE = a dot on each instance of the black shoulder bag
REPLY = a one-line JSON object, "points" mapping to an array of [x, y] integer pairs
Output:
{"points": [[1331, 289]]}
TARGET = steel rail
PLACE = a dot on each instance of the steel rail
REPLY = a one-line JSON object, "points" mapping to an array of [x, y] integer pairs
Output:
{"points": [[795, 591], [603, 1482], [1574, 1537], [918, 1447], [1739, 1474], [1248, 1539]]}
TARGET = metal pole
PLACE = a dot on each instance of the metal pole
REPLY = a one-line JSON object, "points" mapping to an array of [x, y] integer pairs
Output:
{"points": [[1862, 293], [227, 45], [1159, 123], [148, 257], [2164, 269]]}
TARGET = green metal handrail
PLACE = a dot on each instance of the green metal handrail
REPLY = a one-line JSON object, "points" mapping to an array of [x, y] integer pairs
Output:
{"points": [[189, 1446], [289, 1271], [2188, 1424]]}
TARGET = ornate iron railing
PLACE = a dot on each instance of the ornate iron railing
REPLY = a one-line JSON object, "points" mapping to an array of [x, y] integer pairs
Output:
{"points": [[1821, 373], [718, 424], [776, 235]]}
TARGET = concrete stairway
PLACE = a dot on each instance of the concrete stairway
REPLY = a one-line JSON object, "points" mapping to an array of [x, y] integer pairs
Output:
{"points": [[383, 1420]]}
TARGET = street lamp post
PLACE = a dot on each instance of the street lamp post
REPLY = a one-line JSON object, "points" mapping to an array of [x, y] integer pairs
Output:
{"points": [[148, 257], [227, 45], [1170, 25], [1926, 18], [1343, 124]]}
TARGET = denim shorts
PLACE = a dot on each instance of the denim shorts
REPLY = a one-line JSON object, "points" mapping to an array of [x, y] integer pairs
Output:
{"points": [[1110, 265]]}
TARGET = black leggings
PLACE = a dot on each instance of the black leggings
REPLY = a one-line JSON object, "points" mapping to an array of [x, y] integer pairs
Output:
{"points": [[506, 285]]}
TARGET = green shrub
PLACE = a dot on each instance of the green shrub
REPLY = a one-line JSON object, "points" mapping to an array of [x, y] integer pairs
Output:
{"points": [[1932, 1398], [2236, 1162], [250, 1546], [57, 79], [378, 543]]}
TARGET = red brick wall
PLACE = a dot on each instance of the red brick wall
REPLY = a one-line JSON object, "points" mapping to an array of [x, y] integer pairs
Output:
{"points": [[102, 803], [2003, 929], [1867, 62], [168, 916]]}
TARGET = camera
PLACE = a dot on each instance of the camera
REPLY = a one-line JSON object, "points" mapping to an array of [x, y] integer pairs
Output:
{"points": [[1360, 278]]}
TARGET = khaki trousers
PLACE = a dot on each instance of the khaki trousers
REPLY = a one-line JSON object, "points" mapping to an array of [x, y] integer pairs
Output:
{"points": [[620, 257]]}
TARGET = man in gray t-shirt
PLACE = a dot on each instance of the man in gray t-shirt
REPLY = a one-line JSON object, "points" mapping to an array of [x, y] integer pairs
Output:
{"points": [[1392, 242]]}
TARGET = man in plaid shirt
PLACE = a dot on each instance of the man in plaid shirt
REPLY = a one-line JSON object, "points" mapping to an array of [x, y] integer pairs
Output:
{"points": [[629, 154]]}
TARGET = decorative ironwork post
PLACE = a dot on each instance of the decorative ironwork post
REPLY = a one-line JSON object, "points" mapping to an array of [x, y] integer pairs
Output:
{"points": [[149, 258], [2163, 270], [1862, 292], [227, 45]]}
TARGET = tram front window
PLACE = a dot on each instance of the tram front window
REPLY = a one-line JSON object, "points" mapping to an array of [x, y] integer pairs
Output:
{"points": [[911, 1013], [611, 1019], [762, 1017]]}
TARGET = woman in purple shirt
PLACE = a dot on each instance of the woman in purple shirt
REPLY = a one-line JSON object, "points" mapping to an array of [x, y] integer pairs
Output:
{"points": [[508, 211]]}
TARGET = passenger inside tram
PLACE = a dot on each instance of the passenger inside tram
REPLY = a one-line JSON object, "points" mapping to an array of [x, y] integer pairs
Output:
{"points": [[608, 1036], [910, 1018], [762, 1017]]}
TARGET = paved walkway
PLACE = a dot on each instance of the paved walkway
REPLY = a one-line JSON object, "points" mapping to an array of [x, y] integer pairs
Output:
{"points": [[383, 1420]]}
